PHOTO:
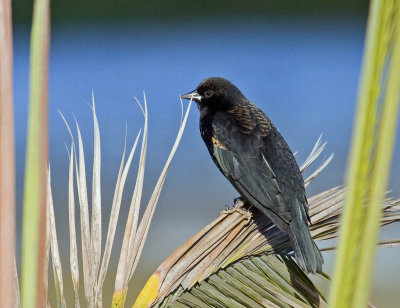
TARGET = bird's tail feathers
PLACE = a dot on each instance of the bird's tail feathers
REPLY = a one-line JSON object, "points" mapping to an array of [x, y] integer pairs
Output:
{"points": [[306, 252]]}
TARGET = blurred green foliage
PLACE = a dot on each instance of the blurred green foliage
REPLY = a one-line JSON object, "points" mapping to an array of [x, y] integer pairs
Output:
{"points": [[128, 10]]}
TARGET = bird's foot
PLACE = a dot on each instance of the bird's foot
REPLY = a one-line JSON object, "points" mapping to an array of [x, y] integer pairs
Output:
{"points": [[238, 202], [238, 206]]}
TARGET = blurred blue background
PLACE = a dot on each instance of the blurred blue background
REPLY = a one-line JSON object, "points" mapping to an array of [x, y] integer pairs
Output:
{"points": [[301, 69]]}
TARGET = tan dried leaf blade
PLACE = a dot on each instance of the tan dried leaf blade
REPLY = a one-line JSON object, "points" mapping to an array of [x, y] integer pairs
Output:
{"points": [[252, 251], [259, 281]]}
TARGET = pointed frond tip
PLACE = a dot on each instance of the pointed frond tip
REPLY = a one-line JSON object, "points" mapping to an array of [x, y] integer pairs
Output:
{"points": [[95, 262]]}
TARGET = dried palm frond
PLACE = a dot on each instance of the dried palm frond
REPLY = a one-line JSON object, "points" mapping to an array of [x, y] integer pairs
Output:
{"points": [[94, 263], [55, 254], [258, 281], [7, 159], [198, 274], [17, 297]]}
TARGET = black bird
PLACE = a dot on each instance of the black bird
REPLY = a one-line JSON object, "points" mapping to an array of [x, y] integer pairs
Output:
{"points": [[254, 157]]}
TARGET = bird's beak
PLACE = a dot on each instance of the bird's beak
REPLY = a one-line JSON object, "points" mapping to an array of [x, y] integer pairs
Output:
{"points": [[192, 95]]}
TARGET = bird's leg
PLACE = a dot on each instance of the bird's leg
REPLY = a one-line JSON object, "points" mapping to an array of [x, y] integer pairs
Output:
{"points": [[238, 202], [239, 205]]}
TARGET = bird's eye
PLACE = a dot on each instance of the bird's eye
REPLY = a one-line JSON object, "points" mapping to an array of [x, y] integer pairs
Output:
{"points": [[208, 93]]}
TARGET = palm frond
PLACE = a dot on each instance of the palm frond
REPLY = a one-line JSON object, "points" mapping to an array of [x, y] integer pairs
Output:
{"points": [[237, 239], [34, 204], [96, 231], [370, 157], [126, 267], [17, 297], [121, 179], [94, 262], [55, 254], [232, 237], [80, 171], [7, 159], [73, 253], [258, 281]]}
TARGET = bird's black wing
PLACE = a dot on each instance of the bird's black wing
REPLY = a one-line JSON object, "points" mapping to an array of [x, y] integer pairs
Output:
{"points": [[239, 146], [255, 158]]}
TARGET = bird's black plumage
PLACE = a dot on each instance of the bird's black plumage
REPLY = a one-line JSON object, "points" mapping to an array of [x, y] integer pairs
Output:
{"points": [[255, 158]]}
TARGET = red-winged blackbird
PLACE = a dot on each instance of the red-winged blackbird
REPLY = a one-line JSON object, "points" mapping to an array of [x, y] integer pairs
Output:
{"points": [[254, 157]]}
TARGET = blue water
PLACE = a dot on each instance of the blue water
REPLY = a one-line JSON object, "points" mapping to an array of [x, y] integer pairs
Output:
{"points": [[304, 75]]}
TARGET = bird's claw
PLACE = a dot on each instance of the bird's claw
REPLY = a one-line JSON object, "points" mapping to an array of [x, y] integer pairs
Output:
{"points": [[238, 207], [238, 203]]}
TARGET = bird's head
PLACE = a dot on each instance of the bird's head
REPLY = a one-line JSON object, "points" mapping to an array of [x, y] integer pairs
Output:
{"points": [[215, 93]]}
